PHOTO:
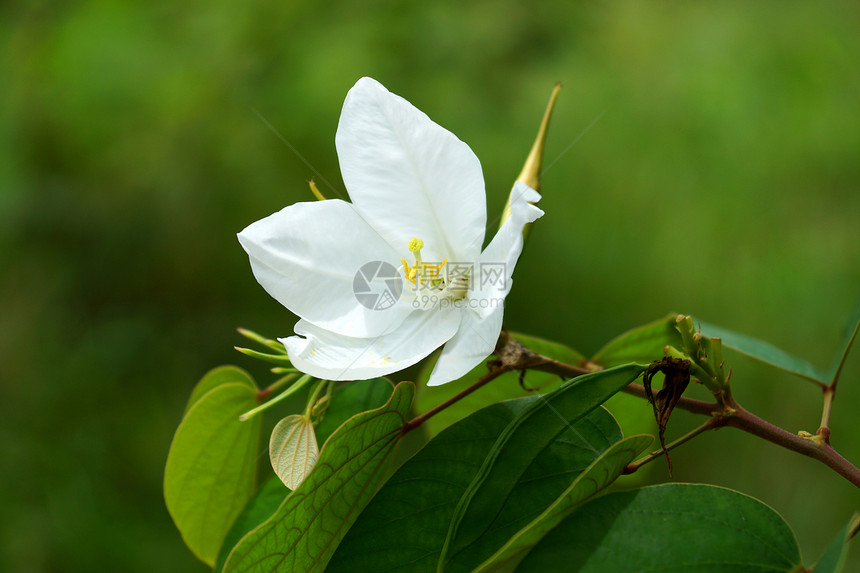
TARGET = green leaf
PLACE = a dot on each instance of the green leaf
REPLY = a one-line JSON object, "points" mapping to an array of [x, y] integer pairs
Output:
{"points": [[602, 472], [851, 330], [482, 479], [764, 352], [349, 399], [293, 449], [261, 507], [211, 467], [641, 344], [833, 560], [671, 527], [505, 387], [216, 377], [307, 528]]}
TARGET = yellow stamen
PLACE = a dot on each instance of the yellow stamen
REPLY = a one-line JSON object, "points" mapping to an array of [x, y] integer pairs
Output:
{"points": [[410, 273], [315, 190], [426, 272], [415, 245]]}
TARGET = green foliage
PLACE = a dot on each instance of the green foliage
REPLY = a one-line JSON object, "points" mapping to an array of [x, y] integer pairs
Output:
{"points": [[211, 468], [511, 487], [672, 527], [306, 529], [350, 399], [833, 560], [601, 473], [641, 344], [770, 354], [765, 352], [483, 478], [852, 327], [265, 502]]}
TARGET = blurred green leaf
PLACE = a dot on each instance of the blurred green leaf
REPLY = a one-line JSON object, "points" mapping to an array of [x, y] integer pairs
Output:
{"points": [[833, 560], [641, 344], [764, 352], [482, 479], [602, 472], [671, 527], [307, 528], [504, 387], [211, 467], [293, 449], [851, 329]]}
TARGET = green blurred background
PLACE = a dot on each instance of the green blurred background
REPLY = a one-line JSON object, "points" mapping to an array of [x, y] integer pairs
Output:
{"points": [[721, 179]]}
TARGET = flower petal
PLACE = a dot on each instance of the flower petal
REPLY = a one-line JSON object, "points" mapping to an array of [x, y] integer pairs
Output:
{"points": [[308, 256], [410, 177], [475, 340], [496, 265], [331, 356]]}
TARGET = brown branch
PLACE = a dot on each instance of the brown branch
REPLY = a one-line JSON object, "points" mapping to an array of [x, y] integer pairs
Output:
{"points": [[513, 355], [734, 415], [808, 446]]}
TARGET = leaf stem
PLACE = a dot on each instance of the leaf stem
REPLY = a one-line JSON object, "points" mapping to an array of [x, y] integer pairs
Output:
{"points": [[301, 382], [711, 424], [279, 383], [824, 428], [312, 400]]}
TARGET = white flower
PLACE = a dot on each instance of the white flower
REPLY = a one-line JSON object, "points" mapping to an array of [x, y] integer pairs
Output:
{"points": [[417, 220]]}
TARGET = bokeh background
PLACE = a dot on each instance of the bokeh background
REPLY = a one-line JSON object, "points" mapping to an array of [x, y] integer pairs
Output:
{"points": [[704, 158]]}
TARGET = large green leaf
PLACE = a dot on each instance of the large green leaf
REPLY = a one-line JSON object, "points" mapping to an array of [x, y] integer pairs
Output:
{"points": [[833, 560], [211, 468], [349, 399], [641, 344], [473, 486], [671, 527], [764, 352], [504, 387], [602, 472], [307, 528], [265, 502]]}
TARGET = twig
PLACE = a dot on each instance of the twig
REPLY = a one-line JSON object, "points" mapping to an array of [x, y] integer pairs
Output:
{"points": [[711, 424], [488, 377]]}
